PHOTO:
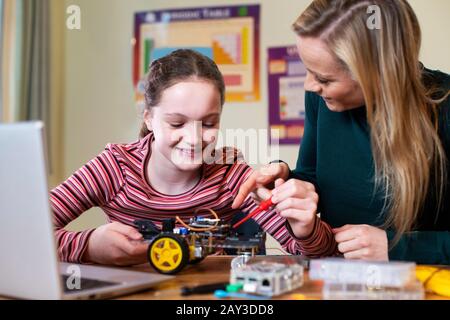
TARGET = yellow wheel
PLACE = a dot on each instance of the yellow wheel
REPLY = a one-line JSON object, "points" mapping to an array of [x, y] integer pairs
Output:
{"points": [[168, 253]]}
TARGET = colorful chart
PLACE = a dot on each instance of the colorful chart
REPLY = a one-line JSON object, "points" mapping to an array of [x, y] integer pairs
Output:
{"points": [[229, 34], [286, 78]]}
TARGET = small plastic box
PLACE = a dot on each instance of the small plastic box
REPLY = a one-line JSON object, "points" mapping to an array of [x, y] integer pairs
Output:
{"points": [[268, 278], [372, 274], [357, 280], [341, 291]]}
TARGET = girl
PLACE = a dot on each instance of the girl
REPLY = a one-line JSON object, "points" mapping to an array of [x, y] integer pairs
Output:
{"points": [[377, 135], [164, 173]]}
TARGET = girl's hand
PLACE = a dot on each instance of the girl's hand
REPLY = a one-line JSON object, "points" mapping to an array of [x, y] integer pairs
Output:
{"points": [[296, 201], [362, 242], [259, 179], [116, 244]]}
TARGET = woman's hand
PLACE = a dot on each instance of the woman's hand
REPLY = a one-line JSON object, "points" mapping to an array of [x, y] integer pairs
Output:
{"points": [[259, 179], [362, 242], [116, 244], [296, 201]]}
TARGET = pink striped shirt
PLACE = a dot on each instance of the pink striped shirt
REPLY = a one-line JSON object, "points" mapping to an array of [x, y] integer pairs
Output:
{"points": [[116, 182]]}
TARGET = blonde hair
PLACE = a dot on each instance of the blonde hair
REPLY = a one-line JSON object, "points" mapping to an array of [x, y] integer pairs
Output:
{"points": [[401, 112]]}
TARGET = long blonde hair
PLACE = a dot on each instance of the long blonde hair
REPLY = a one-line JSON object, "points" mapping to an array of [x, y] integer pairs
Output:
{"points": [[401, 112]]}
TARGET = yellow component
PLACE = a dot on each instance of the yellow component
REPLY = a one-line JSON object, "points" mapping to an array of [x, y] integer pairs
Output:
{"points": [[166, 254], [434, 279], [298, 296], [191, 252]]}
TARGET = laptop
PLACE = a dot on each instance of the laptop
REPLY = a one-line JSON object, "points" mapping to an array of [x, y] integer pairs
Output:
{"points": [[29, 266]]}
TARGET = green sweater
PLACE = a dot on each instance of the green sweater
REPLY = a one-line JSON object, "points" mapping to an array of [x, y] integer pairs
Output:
{"points": [[336, 157]]}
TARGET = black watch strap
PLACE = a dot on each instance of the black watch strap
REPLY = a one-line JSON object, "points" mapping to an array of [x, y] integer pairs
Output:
{"points": [[278, 161], [281, 161]]}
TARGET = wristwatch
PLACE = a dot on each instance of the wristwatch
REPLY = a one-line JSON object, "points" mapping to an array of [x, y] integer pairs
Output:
{"points": [[281, 161], [278, 161]]}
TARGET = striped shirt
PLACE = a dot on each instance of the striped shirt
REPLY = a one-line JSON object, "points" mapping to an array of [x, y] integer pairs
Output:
{"points": [[116, 182]]}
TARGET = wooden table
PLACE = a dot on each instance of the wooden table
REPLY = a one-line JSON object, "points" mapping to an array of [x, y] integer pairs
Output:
{"points": [[217, 269]]}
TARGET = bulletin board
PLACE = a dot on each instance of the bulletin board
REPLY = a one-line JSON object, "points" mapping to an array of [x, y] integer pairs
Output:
{"points": [[229, 35], [286, 78]]}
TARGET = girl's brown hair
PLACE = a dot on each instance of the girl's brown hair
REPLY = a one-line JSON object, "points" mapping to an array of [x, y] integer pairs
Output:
{"points": [[180, 65]]}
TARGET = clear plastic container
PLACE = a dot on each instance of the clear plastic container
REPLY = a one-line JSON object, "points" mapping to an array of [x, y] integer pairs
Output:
{"points": [[240, 261], [268, 278], [365, 273], [342, 291]]}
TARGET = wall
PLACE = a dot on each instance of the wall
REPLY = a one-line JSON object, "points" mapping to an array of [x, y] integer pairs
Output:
{"points": [[98, 89]]}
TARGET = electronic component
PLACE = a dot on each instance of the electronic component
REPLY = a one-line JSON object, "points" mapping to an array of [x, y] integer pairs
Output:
{"points": [[267, 278], [171, 249], [147, 228]]}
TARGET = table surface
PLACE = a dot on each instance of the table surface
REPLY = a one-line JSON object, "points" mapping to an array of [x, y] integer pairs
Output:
{"points": [[217, 269]]}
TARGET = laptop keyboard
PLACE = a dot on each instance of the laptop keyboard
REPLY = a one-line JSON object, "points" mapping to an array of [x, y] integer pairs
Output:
{"points": [[84, 284]]}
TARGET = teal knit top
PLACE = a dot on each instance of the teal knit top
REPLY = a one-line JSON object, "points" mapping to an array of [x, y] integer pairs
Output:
{"points": [[336, 157]]}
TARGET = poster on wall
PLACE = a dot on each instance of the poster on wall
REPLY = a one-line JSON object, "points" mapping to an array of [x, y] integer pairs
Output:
{"points": [[286, 78], [229, 35]]}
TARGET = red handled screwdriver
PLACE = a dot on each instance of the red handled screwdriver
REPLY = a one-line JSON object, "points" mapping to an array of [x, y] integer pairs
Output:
{"points": [[264, 205]]}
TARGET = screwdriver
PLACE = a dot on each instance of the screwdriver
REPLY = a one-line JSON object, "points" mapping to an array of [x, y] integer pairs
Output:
{"points": [[264, 205], [203, 289]]}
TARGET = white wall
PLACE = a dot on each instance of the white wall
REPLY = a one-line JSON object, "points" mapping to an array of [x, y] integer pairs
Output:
{"points": [[99, 95], [434, 19]]}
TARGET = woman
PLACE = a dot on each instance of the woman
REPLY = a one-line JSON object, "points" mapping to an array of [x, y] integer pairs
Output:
{"points": [[377, 137]]}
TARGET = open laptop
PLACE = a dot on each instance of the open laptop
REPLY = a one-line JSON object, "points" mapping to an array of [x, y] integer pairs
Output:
{"points": [[29, 266]]}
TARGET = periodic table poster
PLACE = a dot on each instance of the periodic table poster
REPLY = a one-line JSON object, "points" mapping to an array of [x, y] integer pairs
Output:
{"points": [[229, 35]]}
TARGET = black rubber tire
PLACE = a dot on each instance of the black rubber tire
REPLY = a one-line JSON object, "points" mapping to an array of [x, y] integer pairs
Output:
{"points": [[184, 253]]}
